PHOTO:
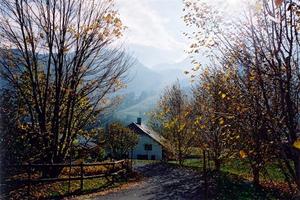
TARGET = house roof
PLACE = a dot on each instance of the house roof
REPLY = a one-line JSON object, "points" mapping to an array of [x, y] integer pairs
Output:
{"points": [[146, 130]]}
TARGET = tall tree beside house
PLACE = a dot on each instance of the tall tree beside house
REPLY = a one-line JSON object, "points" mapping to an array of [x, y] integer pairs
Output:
{"points": [[60, 59], [120, 140], [173, 115], [212, 105]]}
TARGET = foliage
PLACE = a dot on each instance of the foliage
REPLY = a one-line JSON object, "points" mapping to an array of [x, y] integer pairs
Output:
{"points": [[246, 100], [120, 140], [172, 118], [59, 58]]}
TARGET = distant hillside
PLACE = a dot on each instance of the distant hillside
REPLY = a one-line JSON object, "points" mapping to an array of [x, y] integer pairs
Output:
{"points": [[141, 78], [181, 66], [143, 91]]}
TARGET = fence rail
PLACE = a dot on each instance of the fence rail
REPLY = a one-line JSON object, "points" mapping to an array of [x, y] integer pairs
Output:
{"points": [[112, 171]]}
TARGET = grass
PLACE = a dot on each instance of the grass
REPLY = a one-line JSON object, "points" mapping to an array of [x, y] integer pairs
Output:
{"points": [[238, 167], [57, 190], [230, 186], [234, 181]]}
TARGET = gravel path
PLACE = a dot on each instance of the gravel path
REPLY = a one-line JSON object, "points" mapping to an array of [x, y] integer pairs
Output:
{"points": [[161, 182]]}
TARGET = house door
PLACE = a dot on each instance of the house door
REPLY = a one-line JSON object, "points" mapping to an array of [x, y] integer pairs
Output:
{"points": [[153, 157]]}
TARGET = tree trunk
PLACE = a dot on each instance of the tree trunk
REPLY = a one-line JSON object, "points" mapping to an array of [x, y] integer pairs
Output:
{"points": [[180, 158], [255, 172], [51, 172], [180, 153], [217, 164], [297, 170]]}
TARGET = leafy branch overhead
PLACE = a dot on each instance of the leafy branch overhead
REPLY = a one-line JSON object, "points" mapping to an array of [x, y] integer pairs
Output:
{"points": [[62, 61]]}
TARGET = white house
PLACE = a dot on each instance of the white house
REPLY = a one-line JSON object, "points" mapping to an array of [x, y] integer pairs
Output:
{"points": [[151, 145]]}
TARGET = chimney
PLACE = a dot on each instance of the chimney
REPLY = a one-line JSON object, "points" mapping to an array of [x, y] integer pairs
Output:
{"points": [[139, 121]]}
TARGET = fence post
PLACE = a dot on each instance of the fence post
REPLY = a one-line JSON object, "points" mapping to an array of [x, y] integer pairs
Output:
{"points": [[69, 182], [125, 166], [81, 176], [131, 159], [29, 179], [205, 175], [113, 171]]}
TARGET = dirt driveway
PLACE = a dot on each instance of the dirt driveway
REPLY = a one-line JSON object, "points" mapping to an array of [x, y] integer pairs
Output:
{"points": [[161, 181]]}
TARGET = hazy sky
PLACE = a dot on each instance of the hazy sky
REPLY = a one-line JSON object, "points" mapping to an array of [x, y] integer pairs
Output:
{"points": [[155, 27]]}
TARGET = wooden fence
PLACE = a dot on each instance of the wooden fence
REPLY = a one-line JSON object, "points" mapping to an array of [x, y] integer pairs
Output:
{"points": [[111, 171]]}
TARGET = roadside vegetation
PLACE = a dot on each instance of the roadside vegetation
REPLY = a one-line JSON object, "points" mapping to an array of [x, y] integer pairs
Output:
{"points": [[242, 110]]}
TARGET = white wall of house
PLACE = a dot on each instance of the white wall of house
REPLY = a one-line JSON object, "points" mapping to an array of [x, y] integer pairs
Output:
{"points": [[139, 150]]}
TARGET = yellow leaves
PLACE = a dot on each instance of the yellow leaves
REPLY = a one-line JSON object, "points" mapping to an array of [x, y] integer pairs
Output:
{"points": [[108, 18], [221, 121], [209, 42], [230, 117], [118, 22], [94, 26], [65, 49], [243, 154], [29, 39], [186, 114], [258, 6], [119, 84], [197, 67], [206, 86], [117, 32], [182, 127], [296, 144], [23, 127], [106, 33], [252, 78], [223, 95], [197, 121]]}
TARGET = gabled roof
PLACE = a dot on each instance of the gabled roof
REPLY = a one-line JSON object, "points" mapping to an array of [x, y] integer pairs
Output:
{"points": [[146, 130]]}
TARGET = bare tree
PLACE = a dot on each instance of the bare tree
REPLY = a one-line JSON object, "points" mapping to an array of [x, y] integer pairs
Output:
{"points": [[63, 60]]}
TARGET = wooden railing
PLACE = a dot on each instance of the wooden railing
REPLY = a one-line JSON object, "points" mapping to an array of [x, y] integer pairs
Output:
{"points": [[111, 171]]}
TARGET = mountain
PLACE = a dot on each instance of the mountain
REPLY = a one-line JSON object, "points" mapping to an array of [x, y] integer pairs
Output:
{"points": [[182, 65], [142, 78], [144, 88], [151, 56]]}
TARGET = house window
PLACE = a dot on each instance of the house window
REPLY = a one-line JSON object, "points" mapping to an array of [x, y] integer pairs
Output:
{"points": [[148, 147]]}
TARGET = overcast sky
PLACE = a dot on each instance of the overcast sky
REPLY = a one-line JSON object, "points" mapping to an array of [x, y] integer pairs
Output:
{"points": [[155, 27]]}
